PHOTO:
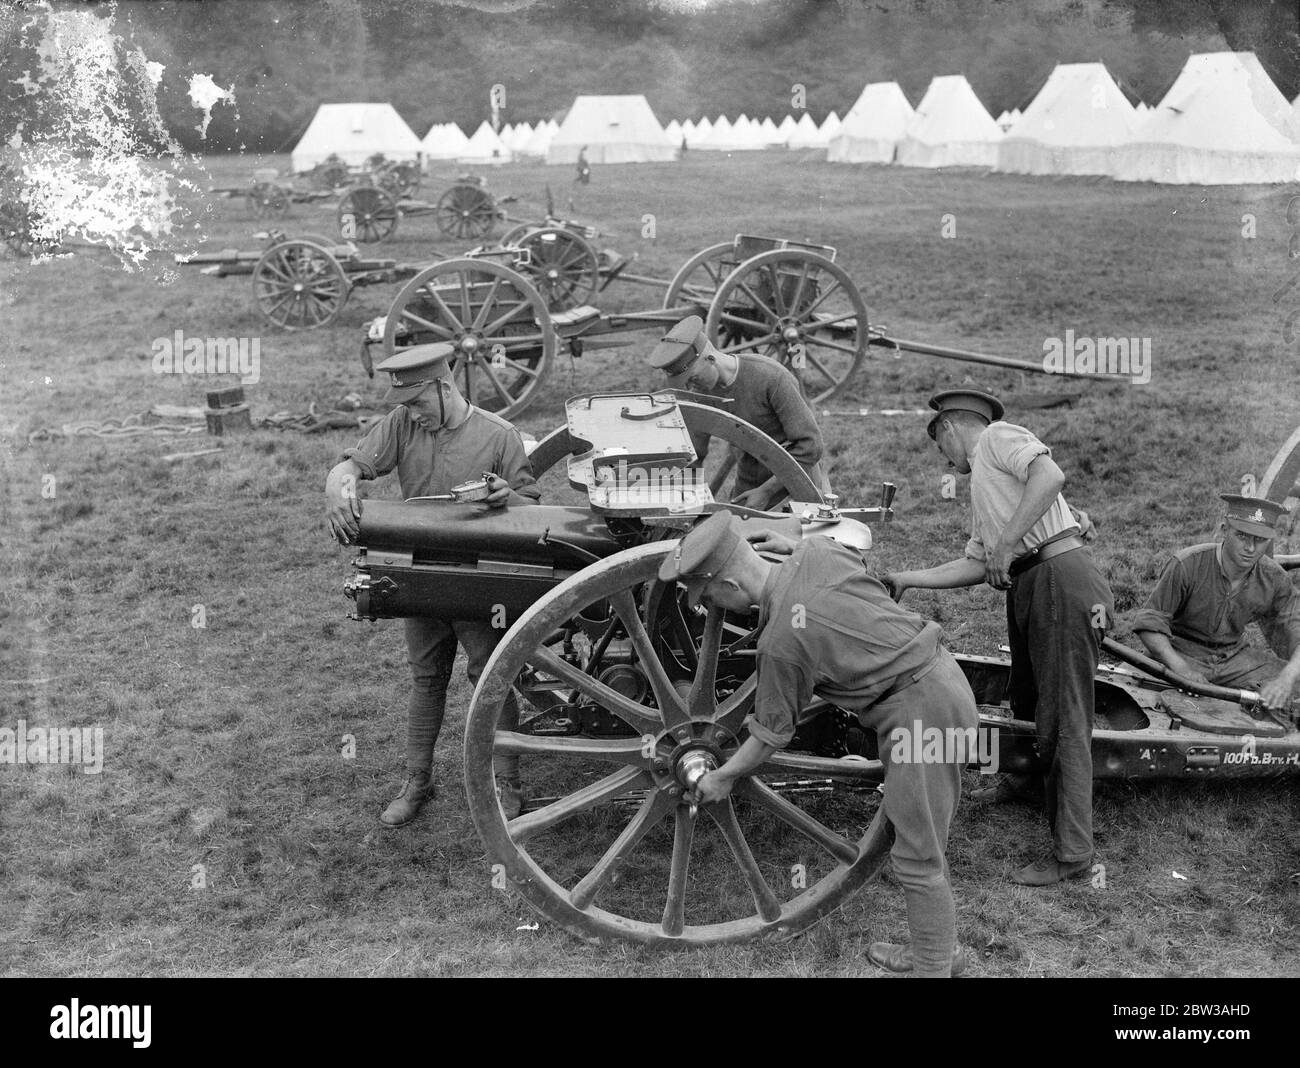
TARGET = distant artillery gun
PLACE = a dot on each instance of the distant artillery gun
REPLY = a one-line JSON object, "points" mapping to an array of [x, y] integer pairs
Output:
{"points": [[465, 212], [783, 299], [269, 194]]}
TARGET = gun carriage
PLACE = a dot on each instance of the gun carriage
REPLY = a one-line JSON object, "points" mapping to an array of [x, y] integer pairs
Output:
{"points": [[784, 299], [630, 694]]}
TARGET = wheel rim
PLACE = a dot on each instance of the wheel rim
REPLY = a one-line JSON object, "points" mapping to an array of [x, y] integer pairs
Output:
{"points": [[493, 316], [697, 280], [665, 730], [1280, 484], [705, 419], [796, 307], [562, 266], [299, 285], [466, 212], [372, 212], [514, 234]]}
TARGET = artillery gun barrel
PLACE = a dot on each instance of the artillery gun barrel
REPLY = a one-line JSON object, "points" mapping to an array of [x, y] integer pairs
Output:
{"points": [[948, 353]]}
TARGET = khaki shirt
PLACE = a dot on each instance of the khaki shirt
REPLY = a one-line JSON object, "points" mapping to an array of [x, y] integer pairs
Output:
{"points": [[768, 396], [1193, 601], [431, 461], [999, 472], [828, 628]]}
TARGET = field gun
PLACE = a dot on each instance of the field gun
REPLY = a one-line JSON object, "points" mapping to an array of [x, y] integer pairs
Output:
{"points": [[629, 691]]}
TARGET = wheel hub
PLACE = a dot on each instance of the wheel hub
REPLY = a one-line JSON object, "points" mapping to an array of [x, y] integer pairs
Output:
{"points": [[468, 345], [693, 765]]}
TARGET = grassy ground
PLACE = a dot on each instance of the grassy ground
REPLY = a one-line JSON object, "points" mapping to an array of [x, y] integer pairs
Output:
{"points": [[224, 743]]}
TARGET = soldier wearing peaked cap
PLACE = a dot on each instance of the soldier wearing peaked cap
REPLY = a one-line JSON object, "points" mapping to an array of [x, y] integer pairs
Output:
{"points": [[828, 629], [1026, 539], [434, 439], [1194, 621], [763, 393]]}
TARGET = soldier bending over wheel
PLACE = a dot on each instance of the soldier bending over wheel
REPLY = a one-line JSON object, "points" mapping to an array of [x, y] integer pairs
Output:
{"points": [[765, 395], [435, 439], [829, 629], [1194, 621]]}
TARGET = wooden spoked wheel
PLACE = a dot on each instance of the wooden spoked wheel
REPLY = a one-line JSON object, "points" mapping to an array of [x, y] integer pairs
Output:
{"points": [[563, 267], [466, 212], [661, 874], [266, 200], [512, 236], [700, 419], [495, 318], [697, 280], [367, 214], [1281, 483], [400, 179], [796, 307], [299, 285]]}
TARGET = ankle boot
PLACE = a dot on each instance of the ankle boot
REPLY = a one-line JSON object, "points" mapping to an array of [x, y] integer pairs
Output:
{"points": [[406, 806]]}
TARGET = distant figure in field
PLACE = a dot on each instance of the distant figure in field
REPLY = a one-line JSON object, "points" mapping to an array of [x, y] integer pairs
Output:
{"points": [[584, 168]]}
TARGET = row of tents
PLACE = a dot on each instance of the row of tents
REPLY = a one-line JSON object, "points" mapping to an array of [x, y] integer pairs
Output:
{"points": [[1223, 121]]}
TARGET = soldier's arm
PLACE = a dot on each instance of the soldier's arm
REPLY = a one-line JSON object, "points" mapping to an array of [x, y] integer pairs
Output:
{"points": [[799, 429], [518, 486], [955, 573], [1046, 481], [784, 688], [1153, 622], [1163, 650]]}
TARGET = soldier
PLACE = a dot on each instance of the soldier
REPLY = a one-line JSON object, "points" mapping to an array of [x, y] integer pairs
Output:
{"points": [[1025, 539], [1194, 621], [435, 439], [764, 394], [829, 629]]}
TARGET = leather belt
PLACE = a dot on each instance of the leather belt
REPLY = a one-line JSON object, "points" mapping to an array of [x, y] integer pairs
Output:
{"points": [[1046, 551]]}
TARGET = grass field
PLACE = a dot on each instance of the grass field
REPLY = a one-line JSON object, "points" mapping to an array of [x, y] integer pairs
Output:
{"points": [[223, 744]]}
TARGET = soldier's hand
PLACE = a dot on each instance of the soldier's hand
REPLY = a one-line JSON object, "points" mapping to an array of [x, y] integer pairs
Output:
{"points": [[1087, 528], [756, 498], [713, 787], [344, 512], [1276, 693], [498, 492], [769, 541], [997, 567], [894, 584]]}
